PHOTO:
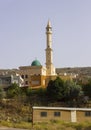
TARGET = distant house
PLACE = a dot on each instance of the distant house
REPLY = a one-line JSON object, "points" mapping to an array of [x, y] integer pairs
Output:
{"points": [[45, 114], [7, 79]]}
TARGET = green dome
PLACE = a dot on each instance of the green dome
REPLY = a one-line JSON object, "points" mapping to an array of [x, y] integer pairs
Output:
{"points": [[35, 63]]}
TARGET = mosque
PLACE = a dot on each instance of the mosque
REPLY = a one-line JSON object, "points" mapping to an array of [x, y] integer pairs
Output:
{"points": [[36, 75]]}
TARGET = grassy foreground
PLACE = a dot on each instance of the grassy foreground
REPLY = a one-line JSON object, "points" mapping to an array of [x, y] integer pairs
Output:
{"points": [[52, 125]]}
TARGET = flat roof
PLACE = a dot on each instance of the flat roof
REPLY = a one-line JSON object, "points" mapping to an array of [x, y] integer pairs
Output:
{"points": [[61, 108]]}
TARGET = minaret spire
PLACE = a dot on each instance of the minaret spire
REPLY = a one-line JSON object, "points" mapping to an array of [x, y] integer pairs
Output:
{"points": [[49, 34], [49, 23], [49, 51]]}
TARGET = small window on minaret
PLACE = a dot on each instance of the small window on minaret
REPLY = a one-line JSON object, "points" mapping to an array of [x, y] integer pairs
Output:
{"points": [[48, 29]]}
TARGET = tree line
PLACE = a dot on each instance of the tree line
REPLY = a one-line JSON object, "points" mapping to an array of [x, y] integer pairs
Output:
{"points": [[57, 90]]}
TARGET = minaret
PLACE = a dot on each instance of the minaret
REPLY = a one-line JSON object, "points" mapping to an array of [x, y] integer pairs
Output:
{"points": [[49, 52]]}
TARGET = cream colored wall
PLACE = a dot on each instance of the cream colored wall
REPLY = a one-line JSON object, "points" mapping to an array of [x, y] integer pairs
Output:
{"points": [[50, 70], [73, 116], [43, 71], [65, 116], [33, 70], [36, 75], [81, 117]]}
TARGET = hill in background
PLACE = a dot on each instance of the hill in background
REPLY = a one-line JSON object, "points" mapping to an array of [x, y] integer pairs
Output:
{"points": [[85, 71]]}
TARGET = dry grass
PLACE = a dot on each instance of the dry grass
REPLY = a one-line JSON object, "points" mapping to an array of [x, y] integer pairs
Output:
{"points": [[52, 125], [62, 126]]}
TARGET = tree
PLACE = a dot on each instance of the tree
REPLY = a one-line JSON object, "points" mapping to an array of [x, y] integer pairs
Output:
{"points": [[72, 90], [13, 91], [87, 88], [55, 89], [67, 91]]}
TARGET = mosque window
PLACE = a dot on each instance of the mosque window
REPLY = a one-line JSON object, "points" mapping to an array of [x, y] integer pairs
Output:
{"points": [[26, 82], [22, 76], [36, 82], [26, 76]]}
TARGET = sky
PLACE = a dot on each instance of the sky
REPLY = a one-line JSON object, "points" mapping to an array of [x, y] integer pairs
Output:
{"points": [[23, 32]]}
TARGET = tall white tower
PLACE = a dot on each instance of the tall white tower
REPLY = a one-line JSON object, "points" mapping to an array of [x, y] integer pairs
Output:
{"points": [[49, 52]]}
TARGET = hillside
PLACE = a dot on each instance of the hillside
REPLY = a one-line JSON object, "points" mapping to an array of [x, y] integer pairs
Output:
{"points": [[76, 70]]}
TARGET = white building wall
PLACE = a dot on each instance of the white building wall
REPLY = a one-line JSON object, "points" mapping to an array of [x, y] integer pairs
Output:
{"points": [[73, 116]]}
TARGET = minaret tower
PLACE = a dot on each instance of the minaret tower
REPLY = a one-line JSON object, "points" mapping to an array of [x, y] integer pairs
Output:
{"points": [[49, 52]]}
